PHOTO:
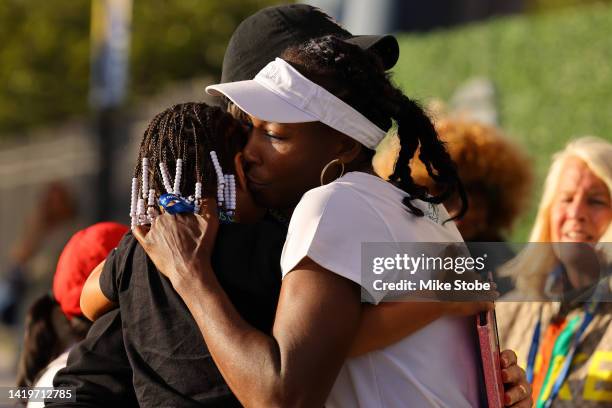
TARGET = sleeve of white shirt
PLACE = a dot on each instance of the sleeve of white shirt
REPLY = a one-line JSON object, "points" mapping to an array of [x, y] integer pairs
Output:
{"points": [[329, 225]]}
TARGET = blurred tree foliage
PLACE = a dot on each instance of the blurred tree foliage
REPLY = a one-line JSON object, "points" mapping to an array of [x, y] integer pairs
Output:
{"points": [[546, 5], [552, 72], [44, 69]]}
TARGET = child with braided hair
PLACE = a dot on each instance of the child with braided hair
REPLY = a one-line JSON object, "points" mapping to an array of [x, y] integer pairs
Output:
{"points": [[171, 365]]}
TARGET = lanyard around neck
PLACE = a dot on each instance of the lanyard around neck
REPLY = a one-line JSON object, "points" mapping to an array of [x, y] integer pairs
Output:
{"points": [[535, 343], [588, 317]]}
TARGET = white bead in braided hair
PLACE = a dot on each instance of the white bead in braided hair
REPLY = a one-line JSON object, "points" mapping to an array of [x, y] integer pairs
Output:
{"points": [[232, 193], [226, 191], [177, 177], [151, 210], [140, 212], [163, 168], [134, 203], [197, 197], [220, 178], [145, 177]]}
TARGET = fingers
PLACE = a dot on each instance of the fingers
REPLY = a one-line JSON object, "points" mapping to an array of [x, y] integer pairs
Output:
{"points": [[507, 358], [513, 375], [518, 393], [518, 396], [140, 232]]}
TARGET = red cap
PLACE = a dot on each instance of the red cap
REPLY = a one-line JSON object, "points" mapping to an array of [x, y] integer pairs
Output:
{"points": [[85, 250]]}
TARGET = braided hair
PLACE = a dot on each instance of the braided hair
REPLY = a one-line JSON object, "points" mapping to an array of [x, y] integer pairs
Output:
{"points": [[358, 78], [190, 131]]}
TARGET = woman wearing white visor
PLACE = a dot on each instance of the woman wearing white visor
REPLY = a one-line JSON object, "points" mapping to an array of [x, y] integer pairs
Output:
{"points": [[306, 134]]}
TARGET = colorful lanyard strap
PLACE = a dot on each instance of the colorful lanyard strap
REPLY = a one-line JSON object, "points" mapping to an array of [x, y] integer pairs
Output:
{"points": [[533, 349], [535, 343], [588, 317]]}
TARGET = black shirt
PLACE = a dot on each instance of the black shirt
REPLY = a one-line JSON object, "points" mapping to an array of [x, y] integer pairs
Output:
{"points": [[169, 359], [98, 369]]}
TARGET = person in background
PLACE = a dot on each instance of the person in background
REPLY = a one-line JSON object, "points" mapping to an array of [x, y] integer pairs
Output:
{"points": [[54, 323], [55, 208], [563, 322], [496, 173]]}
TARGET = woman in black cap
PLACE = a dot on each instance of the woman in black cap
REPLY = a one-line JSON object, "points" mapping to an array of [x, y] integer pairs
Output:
{"points": [[301, 130]]}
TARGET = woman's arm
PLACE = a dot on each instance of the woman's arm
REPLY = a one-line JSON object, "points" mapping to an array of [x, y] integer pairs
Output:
{"points": [[316, 319], [93, 302], [296, 366], [388, 323]]}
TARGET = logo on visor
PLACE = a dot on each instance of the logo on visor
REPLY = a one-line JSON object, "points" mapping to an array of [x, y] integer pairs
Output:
{"points": [[271, 71]]}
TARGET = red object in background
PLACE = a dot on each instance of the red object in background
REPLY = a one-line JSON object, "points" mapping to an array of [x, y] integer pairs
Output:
{"points": [[85, 250]]}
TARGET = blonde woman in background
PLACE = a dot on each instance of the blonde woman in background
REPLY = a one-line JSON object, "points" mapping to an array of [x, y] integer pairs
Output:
{"points": [[564, 322]]}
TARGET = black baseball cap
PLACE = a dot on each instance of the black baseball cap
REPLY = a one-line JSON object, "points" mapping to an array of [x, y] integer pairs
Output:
{"points": [[264, 35]]}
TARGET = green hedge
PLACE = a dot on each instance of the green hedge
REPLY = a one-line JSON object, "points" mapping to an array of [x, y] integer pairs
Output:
{"points": [[553, 74]]}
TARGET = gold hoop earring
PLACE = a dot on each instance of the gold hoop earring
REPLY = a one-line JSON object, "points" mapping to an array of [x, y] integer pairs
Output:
{"points": [[335, 161]]}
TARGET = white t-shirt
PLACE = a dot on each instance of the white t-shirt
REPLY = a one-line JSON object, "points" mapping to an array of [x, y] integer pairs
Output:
{"points": [[46, 379], [435, 367]]}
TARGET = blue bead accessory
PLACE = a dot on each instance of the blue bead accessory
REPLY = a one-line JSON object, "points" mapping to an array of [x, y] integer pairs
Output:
{"points": [[174, 204]]}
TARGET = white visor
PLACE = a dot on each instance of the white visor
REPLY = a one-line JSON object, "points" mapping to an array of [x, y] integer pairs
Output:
{"points": [[279, 93]]}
